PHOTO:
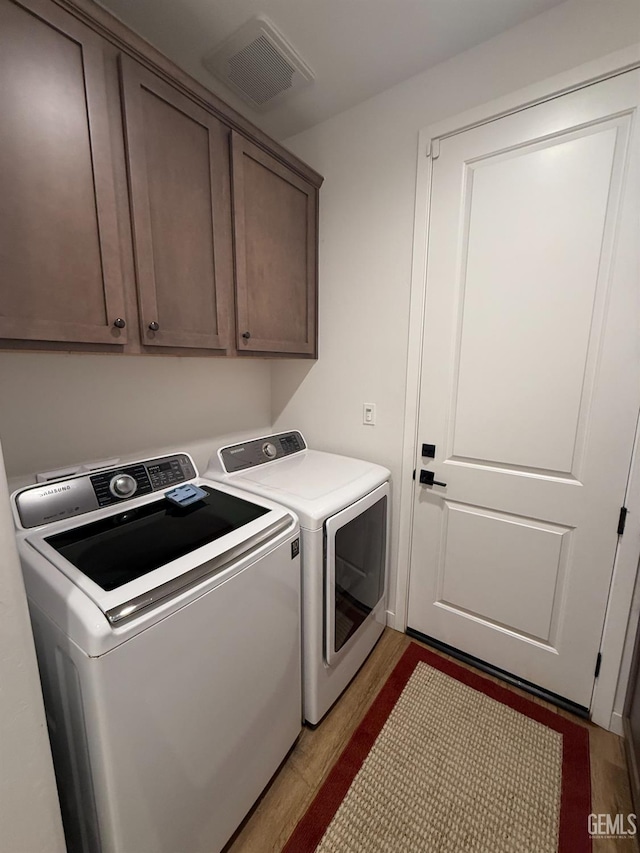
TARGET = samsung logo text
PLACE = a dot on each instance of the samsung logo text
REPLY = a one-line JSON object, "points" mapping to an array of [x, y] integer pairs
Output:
{"points": [[54, 491]]}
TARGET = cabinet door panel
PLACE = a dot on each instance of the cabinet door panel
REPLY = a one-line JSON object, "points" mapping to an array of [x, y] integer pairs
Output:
{"points": [[275, 240], [59, 249], [178, 159]]}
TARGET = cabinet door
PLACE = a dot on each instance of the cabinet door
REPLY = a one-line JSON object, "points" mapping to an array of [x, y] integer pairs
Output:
{"points": [[178, 158], [60, 274], [275, 242]]}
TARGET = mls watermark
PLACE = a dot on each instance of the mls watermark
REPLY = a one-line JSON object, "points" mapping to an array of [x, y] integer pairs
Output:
{"points": [[612, 826]]}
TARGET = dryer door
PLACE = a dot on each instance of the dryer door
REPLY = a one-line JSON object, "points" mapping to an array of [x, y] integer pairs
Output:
{"points": [[356, 561]]}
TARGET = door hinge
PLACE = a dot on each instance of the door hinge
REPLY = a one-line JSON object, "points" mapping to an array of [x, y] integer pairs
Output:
{"points": [[622, 520], [598, 662], [433, 148]]}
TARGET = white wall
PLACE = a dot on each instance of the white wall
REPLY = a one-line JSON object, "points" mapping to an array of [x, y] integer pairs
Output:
{"points": [[29, 810], [368, 157], [59, 408]]}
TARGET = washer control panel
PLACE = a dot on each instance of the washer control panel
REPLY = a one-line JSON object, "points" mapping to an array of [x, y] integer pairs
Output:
{"points": [[113, 486], [164, 473], [236, 457], [60, 499]]}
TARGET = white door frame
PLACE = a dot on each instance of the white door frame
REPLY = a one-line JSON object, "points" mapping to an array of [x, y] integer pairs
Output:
{"points": [[628, 554]]}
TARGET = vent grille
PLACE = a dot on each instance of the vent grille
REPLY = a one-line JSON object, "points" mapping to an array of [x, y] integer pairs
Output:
{"points": [[260, 71], [259, 64]]}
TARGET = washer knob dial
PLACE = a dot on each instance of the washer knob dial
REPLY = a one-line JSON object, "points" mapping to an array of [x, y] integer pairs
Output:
{"points": [[123, 486], [269, 450]]}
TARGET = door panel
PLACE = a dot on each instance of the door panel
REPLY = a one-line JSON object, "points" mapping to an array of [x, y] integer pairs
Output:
{"points": [[483, 551], [531, 320], [533, 235], [179, 177], [59, 245]]}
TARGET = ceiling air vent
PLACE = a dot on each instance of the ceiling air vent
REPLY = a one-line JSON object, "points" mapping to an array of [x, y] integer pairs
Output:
{"points": [[259, 64]]}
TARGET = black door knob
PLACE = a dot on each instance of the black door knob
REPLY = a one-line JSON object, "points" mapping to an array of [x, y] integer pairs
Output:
{"points": [[119, 323], [154, 326], [246, 335]]}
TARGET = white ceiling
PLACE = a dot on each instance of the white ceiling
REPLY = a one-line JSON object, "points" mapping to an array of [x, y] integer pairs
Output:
{"points": [[356, 48]]}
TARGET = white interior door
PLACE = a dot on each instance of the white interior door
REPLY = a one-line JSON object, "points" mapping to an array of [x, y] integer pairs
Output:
{"points": [[530, 384]]}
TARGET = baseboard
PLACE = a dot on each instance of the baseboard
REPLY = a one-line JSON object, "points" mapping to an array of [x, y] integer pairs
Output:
{"points": [[616, 725]]}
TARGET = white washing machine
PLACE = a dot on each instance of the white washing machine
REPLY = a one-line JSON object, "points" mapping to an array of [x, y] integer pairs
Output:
{"points": [[342, 505], [168, 641]]}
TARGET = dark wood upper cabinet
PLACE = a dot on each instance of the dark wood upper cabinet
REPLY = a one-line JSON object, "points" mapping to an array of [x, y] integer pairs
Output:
{"points": [[60, 274], [275, 231], [178, 158], [139, 213]]}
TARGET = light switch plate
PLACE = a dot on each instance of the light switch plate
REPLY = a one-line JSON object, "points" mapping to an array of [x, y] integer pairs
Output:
{"points": [[369, 414]]}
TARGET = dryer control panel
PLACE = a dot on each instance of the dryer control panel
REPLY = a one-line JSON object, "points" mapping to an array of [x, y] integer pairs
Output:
{"points": [[259, 451], [60, 499]]}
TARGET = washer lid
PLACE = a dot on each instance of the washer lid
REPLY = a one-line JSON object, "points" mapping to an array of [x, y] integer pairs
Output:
{"points": [[127, 562], [313, 483]]}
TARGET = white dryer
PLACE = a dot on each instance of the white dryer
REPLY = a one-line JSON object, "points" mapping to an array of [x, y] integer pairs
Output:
{"points": [[342, 505]]}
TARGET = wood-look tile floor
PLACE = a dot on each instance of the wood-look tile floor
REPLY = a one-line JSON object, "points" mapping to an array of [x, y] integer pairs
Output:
{"points": [[292, 789]]}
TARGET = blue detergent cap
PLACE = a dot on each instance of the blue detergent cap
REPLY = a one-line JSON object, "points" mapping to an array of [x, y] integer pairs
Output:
{"points": [[185, 495]]}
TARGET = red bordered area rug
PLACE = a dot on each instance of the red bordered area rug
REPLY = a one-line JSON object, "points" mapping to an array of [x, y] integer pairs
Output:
{"points": [[446, 760]]}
